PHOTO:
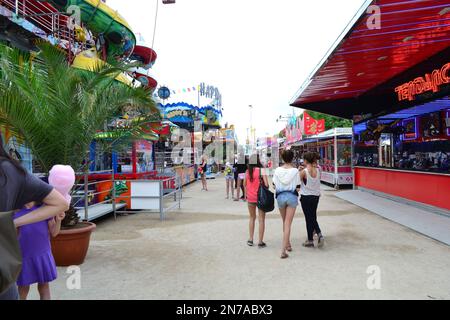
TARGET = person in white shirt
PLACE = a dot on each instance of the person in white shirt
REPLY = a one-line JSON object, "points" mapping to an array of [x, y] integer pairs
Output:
{"points": [[310, 195], [287, 180]]}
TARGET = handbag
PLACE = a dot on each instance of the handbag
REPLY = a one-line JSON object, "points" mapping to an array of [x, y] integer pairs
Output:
{"points": [[11, 257], [266, 199]]}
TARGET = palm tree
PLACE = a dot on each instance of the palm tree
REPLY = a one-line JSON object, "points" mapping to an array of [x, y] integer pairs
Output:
{"points": [[57, 110]]}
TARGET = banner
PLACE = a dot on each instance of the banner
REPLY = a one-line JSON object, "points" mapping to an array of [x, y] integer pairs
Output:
{"points": [[293, 130], [313, 126]]}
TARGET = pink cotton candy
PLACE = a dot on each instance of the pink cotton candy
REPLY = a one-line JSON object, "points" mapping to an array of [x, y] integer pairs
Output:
{"points": [[62, 178]]}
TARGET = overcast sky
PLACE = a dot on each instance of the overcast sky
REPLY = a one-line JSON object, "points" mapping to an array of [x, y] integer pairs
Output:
{"points": [[257, 52]]}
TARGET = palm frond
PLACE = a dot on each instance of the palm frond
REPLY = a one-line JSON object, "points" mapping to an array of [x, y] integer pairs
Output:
{"points": [[58, 110]]}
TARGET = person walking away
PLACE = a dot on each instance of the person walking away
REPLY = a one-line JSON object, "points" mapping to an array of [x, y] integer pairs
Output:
{"points": [[286, 180], [202, 171], [241, 169], [17, 188], [310, 195], [253, 176], [229, 179]]}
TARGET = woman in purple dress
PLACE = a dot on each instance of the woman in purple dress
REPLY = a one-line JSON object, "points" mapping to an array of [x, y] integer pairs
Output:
{"points": [[17, 187], [38, 264]]}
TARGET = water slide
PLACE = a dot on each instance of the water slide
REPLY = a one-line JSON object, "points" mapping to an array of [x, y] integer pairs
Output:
{"points": [[102, 20], [144, 54], [89, 61]]}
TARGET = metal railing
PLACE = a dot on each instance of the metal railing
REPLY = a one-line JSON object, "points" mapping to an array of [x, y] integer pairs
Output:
{"points": [[87, 194], [53, 23], [168, 188], [165, 192]]}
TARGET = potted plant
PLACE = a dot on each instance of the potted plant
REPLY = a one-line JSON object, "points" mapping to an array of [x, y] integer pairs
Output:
{"points": [[57, 110]]}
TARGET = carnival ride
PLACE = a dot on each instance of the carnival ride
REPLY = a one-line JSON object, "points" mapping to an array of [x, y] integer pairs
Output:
{"points": [[101, 35], [109, 26]]}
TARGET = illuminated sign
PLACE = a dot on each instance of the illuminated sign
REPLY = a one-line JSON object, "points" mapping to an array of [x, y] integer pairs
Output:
{"points": [[430, 82], [179, 113], [411, 129]]}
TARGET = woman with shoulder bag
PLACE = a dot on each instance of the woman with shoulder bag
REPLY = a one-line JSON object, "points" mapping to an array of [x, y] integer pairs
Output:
{"points": [[17, 188], [253, 178], [287, 180]]}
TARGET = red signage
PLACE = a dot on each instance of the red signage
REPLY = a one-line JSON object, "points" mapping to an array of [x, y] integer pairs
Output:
{"points": [[313, 126], [430, 82]]}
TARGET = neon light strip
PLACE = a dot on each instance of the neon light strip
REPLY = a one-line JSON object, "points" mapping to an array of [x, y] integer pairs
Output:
{"points": [[448, 116]]}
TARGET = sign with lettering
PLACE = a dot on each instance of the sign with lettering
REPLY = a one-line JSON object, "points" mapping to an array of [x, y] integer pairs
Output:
{"points": [[211, 93], [430, 82]]}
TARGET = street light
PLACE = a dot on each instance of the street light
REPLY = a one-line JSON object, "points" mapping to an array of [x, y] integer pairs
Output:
{"points": [[283, 118], [252, 131]]}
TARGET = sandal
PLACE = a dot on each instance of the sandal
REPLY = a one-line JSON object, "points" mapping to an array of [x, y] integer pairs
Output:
{"points": [[250, 243], [289, 248], [284, 255], [308, 244], [262, 245]]}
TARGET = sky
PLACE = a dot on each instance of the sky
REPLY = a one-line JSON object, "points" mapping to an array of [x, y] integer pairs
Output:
{"points": [[256, 52]]}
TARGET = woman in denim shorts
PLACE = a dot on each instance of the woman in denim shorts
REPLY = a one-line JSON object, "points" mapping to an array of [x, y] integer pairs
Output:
{"points": [[287, 179]]}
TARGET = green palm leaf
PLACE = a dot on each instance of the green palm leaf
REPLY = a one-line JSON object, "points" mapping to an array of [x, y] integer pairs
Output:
{"points": [[58, 110]]}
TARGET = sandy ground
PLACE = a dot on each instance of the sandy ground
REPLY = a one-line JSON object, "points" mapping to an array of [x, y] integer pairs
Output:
{"points": [[200, 252]]}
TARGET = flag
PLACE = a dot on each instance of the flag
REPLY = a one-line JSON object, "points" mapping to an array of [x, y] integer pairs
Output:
{"points": [[320, 126], [313, 126]]}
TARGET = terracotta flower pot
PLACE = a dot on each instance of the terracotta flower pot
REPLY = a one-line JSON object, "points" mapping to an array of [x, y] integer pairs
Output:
{"points": [[70, 247]]}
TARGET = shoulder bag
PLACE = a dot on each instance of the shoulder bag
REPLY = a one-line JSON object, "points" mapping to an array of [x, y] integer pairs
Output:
{"points": [[266, 199], [11, 257]]}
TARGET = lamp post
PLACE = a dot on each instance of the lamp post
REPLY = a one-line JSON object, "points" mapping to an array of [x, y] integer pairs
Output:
{"points": [[252, 130]]}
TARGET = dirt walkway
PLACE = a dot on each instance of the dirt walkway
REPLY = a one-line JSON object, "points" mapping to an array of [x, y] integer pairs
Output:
{"points": [[200, 252]]}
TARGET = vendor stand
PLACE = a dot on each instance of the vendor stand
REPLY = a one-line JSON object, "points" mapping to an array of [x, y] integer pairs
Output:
{"points": [[334, 147], [398, 99]]}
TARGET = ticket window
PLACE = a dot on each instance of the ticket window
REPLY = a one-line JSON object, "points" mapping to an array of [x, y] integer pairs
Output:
{"points": [[344, 153], [124, 162]]}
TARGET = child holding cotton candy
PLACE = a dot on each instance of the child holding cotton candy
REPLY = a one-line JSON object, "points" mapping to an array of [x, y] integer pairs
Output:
{"points": [[38, 265]]}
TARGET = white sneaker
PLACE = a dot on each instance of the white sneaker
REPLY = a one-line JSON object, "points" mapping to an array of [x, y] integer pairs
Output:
{"points": [[321, 241]]}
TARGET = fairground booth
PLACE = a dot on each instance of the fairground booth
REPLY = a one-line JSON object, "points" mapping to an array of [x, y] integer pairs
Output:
{"points": [[334, 147], [389, 71]]}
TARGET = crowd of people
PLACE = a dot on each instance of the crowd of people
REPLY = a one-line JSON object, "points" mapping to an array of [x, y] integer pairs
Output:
{"points": [[294, 185], [31, 212]]}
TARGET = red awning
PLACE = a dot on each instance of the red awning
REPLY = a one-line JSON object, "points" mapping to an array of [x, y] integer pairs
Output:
{"points": [[362, 59]]}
